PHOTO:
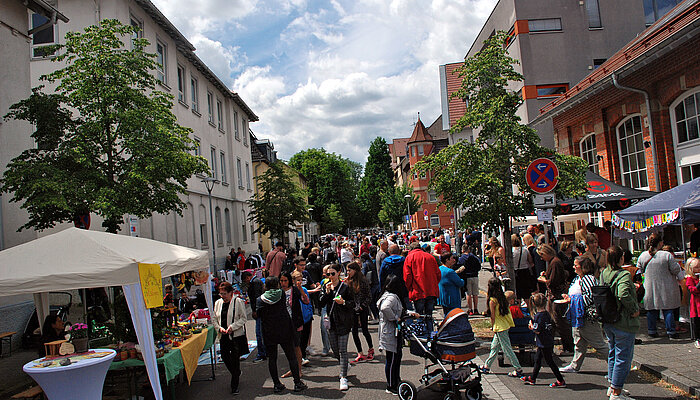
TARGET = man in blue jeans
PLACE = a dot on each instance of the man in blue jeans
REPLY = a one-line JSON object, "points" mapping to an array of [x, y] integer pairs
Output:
{"points": [[255, 289]]}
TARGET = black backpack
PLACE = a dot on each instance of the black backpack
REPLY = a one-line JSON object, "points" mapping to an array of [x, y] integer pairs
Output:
{"points": [[606, 304]]}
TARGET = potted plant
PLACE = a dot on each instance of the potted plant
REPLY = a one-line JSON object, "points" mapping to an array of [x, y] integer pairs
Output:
{"points": [[79, 337]]}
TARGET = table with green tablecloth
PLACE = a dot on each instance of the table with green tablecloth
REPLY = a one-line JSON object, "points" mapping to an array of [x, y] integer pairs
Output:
{"points": [[171, 361]]}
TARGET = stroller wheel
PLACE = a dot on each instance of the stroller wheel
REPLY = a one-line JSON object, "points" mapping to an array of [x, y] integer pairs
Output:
{"points": [[407, 391], [473, 393], [452, 396]]}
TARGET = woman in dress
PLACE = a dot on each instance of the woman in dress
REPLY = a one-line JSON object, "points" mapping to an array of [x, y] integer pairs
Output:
{"points": [[525, 282], [661, 282]]}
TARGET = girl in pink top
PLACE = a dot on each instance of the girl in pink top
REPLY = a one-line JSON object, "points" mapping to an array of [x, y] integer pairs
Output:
{"points": [[692, 281]]}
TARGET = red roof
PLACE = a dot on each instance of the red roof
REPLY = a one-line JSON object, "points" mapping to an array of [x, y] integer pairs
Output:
{"points": [[678, 18], [420, 134], [397, 148]]}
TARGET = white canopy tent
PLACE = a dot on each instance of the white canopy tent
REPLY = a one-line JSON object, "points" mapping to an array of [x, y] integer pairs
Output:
{"points": [[77, 258]]}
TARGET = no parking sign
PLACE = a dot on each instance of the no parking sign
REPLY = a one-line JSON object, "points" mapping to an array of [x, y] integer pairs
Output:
{"points": [[542, 175]]}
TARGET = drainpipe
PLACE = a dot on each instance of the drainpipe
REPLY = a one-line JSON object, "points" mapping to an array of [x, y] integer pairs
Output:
{"points": [[651, 126], [2, 229]]}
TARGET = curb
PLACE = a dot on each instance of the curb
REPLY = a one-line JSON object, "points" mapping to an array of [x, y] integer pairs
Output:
{"points": [[671, 377]]}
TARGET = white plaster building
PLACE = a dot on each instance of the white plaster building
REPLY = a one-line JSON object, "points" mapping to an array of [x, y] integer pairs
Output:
{"points": [[219, 119]]}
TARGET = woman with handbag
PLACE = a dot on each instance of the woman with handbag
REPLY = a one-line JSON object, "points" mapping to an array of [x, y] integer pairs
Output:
{"points": [[229, 321], [277, 330], [525, 282], [554, 278], [340, 305]]}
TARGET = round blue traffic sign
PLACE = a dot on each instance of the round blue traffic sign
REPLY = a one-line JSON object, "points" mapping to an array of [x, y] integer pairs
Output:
{"points": [[542, 175]]}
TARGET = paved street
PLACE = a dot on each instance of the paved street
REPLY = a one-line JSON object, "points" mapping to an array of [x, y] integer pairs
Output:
{"points": [[367, 380]]}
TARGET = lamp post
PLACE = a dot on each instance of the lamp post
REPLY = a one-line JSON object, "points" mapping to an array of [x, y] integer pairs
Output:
{"points": [[307, 225], [408, 206], [209, 183]]}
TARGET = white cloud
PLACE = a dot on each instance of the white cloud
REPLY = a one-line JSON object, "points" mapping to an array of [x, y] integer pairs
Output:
{"points": [[335, 74]]}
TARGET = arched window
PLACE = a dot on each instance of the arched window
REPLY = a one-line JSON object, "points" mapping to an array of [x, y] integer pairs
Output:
{"points": [[434, 220], [203, 226], [227, 222], [632, 152], [190, 226], [685, 124], [589, 152], [219, 233], [243, 228]]}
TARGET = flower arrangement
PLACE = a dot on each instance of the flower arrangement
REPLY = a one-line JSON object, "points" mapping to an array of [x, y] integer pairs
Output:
{"points": [[78, 331]]}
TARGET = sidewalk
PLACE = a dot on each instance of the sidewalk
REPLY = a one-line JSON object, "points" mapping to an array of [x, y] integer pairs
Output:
{"points": [[675, 361]]}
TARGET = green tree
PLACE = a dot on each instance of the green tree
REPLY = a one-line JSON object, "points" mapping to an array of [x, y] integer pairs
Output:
{"points": [[377, 180], [108, 142], [279, 203], [480, 176], [332, 219], [330, 180], [395, 204]]}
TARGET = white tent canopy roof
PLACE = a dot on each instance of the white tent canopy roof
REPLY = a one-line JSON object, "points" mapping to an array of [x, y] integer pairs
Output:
{"points": [[78, 258]]}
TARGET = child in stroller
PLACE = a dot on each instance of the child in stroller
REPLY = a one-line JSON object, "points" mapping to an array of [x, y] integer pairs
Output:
{"points": [[451, 348]]}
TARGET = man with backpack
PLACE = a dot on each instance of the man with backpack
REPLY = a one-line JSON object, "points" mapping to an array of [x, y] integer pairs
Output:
{"points": [[617, 307]]}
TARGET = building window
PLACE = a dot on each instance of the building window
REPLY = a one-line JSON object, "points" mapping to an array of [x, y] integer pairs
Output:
{"points": [[510, 36], [42, 38], [632, 154], [181, 85], [222, 158], [243, 228], [212, 157], [197, 147], [413, 151], [432, 196], [434, 220], [687, 118], [138, 26], [589, 152], [219, 115], [227, 224], [252, 232], [544, 25], [690, 172], [194, 96], [236, 133], [420, 150], [161, 62], [593, 12], [655, 9], [240, 173], [245, 136], [597, 62], [203, 226], [219, 233], [551, 91], [247, 175], [210, 107]]}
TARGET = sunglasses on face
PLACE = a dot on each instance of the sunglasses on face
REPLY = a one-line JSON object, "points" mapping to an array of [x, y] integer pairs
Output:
{"points": [[331, 274]]}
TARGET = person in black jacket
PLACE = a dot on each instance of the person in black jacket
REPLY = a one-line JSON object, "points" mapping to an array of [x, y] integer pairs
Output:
{"points": [[277, 330], [255, 289], [339, 302], [293, 299]]}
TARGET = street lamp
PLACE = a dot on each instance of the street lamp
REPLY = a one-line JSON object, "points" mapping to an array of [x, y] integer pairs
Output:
{"points": [[408, 206], [209, 183]]}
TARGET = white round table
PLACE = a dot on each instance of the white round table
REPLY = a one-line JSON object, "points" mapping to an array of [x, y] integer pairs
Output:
{"points": [[82, 379]]}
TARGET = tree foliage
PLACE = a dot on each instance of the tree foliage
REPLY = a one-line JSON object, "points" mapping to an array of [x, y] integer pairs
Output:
{"points": [[332, 219], [394, 204], [481, 176], [331, 180], [377, 180], [108, 142], [279, 203]]}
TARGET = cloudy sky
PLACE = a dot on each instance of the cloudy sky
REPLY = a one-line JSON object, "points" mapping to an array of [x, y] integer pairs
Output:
{"points": [[331, 73]]}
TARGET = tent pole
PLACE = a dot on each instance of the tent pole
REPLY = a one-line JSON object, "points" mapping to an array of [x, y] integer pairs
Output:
{"points": [[680, 211]]}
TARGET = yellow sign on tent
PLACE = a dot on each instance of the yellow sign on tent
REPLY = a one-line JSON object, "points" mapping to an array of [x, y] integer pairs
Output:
{"points": [[150, 277]]}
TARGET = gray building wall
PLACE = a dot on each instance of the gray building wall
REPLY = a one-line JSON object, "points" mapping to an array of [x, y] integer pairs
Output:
{"points": [[565, 56]]}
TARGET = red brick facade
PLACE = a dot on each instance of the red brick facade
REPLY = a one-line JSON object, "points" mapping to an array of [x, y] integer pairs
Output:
{"points": [[669, 77]]}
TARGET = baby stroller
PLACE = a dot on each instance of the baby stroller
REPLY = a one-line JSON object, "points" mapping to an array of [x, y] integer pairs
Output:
{"points": [[451, 348]]}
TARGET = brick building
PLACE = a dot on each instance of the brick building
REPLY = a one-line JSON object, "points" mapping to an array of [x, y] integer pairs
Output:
{"points": [[405, 153], [635, 119]]}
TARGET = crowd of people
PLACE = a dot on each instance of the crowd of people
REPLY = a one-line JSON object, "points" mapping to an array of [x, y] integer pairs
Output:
{"points": [[351, 283]]}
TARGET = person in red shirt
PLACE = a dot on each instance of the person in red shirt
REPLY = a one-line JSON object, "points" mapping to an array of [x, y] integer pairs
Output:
{"points": [[603, 235], [422, 276], [441, 247], [241, 260], [365, 246]]}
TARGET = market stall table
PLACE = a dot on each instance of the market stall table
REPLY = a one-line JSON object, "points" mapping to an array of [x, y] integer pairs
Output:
{"points": [[82, 379], [183, 357]]}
